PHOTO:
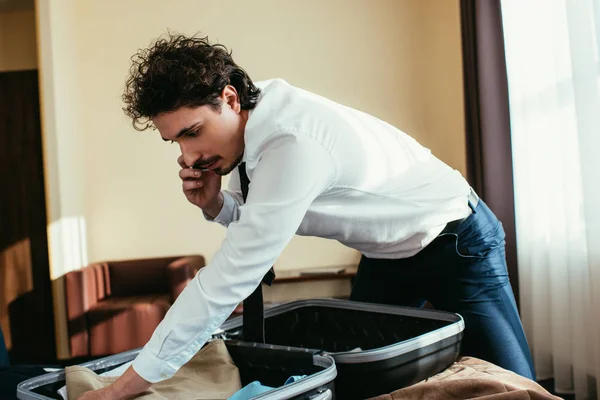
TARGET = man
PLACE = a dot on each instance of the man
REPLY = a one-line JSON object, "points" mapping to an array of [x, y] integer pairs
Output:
{"points": [[316, 168]]}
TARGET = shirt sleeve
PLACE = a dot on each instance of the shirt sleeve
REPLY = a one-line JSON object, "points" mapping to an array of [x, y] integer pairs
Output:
{"points": [[291, 173], [232, 199]]}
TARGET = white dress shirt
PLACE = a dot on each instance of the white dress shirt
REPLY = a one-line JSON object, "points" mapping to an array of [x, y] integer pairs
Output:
{"points": [[316, 168]]}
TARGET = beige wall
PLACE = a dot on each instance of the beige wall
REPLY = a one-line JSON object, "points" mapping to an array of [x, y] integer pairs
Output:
{"points": [[114, 192], [17, 41], [364, 54], [356, 52], [440, 81]]}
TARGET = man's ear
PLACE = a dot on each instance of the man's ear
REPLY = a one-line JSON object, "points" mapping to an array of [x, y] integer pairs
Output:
{"points": [[231, 98]]}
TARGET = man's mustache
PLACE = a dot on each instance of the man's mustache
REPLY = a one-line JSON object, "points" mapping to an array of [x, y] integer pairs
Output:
{"points": [[203, 163]]}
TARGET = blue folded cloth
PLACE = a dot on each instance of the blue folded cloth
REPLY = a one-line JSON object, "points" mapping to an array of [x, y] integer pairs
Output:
{"points": [[256, 388]]}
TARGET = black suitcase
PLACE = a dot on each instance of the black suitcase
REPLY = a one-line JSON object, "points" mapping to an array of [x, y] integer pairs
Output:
{"points": [[377, 348], [269, 364]]}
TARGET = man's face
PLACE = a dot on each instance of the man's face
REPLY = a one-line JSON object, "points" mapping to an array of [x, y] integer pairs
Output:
{"points": [[207, 138]]}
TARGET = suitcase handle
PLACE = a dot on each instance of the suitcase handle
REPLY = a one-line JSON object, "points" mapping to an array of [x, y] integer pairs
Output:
{"points": [[326, 395]]}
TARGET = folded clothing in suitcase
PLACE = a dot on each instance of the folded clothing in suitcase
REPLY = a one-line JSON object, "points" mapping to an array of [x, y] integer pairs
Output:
{"points": [[377, 348], [271, 365]]}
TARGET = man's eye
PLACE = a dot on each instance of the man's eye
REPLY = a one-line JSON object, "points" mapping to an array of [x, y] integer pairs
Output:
{"points": [[192, 134]]}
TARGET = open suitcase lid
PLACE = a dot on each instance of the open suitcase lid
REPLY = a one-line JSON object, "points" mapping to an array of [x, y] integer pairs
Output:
{"points": [[454, 327]]}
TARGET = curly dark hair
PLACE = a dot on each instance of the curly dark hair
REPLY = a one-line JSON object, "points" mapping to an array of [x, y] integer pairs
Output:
{"points": [[179, 71]]}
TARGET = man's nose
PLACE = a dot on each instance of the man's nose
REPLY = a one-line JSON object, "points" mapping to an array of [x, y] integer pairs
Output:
{"points": [[188, 157]]}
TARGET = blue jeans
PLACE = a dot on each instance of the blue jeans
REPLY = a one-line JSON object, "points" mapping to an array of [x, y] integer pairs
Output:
{"points": [[462, 271]]}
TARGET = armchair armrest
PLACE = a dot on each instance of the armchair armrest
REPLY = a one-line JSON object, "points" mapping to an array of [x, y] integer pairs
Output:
{"points": [[181, 271], [84, 288]]}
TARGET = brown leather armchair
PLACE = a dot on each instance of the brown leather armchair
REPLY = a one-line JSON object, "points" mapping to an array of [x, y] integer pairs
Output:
{"points": [[115, 306]]}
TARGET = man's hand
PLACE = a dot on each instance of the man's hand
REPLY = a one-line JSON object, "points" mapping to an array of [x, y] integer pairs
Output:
{"points": [[129, 385], [202, 188], [100, 394]]}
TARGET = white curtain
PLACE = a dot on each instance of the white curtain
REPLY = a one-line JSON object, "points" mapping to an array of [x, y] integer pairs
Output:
{"points": [[552, 50]]}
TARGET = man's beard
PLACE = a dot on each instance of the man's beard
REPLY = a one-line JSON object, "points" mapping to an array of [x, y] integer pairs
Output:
{"points": [[227, 170]]}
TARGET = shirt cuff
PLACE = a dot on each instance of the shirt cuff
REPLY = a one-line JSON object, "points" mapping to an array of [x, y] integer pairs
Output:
{"points": [[224, 217], [152, 368]]}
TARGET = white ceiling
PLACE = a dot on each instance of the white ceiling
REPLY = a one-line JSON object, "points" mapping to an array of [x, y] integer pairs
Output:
{"points": [[14, 5]]}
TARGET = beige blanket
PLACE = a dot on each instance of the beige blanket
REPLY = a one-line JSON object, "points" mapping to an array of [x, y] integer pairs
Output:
{"points": [[471, 378], [209, 375]]}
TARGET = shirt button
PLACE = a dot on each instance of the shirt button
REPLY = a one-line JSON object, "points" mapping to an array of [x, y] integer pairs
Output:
{"points": [[165, 376]]}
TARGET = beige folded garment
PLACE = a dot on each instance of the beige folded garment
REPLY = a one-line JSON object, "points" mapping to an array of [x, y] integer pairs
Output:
{"points": [[209, 375], [472, 378]]}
